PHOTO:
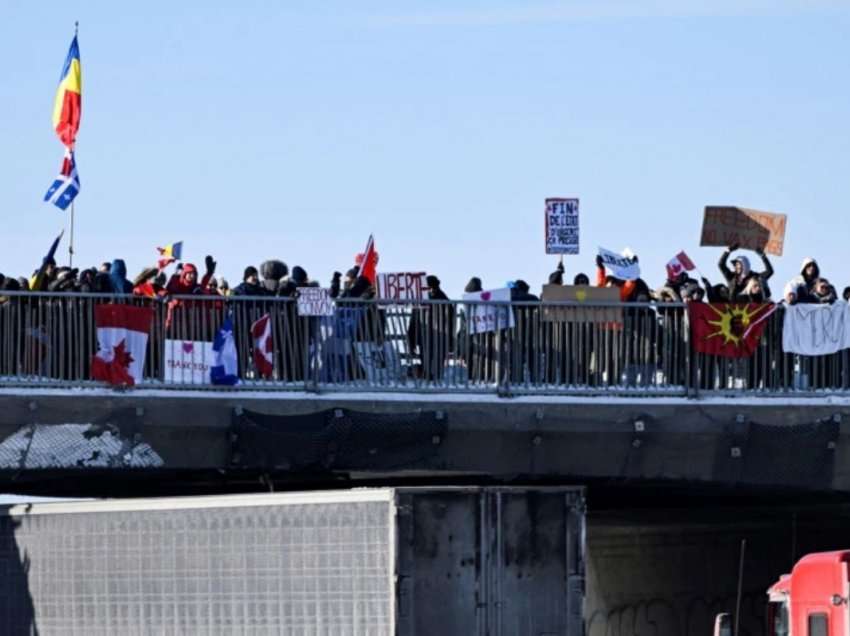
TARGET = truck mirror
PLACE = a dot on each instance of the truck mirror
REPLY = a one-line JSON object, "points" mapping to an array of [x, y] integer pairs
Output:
{"points": [[723, 625]]}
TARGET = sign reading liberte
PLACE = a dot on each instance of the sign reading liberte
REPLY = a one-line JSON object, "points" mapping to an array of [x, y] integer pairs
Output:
{"points": [[562, 226], [401, 286], [751, 229]]}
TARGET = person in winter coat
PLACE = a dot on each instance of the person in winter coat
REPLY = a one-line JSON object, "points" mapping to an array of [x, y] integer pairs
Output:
{"points": [[430, 332], [527, 318], [737, 278], [146, 284], [187, 320], [799, 288], [581, 280], [272, 272], [250, 285], [557, 277], [118, 278], [753, 292]]}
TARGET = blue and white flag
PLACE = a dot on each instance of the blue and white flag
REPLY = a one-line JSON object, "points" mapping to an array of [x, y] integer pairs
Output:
{"points": [[224, 369], [67, 184]]}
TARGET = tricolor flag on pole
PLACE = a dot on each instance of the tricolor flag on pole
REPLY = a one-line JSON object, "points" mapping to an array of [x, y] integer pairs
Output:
{"points": [[169, 254], [67, 105], [261, 334], [67, 185], [122, 338], [678, 264]]}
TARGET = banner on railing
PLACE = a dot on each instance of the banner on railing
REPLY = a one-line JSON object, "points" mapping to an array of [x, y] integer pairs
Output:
{"points": [[315, 301], [188, 361], [484, 317], [401, 286], [814, 330], [725, 225], [727, 330], [620, 266], [562, 226], [582, 294], [122, 339]]}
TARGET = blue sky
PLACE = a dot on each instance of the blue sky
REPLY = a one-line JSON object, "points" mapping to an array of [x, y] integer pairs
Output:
{"points": [[251, 130]]}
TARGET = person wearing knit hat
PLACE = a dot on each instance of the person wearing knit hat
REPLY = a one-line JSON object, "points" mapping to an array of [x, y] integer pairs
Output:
{"points": [[250, 285]]}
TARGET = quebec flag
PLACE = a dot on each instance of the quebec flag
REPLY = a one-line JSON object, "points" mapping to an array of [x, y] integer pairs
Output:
{"points": [[67, 185], [224, 368]]}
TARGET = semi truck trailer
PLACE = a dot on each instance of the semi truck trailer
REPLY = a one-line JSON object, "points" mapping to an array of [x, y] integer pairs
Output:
{"points": [[387, 561]]}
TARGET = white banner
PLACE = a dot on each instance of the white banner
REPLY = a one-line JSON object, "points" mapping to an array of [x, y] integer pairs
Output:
{"points": [[483, 318], [188, 361], [814, 330], [619, 265], [562, 226], [315, 301]]}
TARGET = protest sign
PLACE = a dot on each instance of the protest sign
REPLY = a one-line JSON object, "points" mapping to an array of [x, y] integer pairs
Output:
{"points": [[751, 229], [188, 361], [315, 301], [619, 265], [401, 286], [590, 296], [481, 318], [562, 226]]}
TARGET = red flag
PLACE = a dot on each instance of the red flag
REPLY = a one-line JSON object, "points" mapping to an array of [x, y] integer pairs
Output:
{"points": [[122, 338], [368, 261], [678, 264], [728, 330], [261, 333]]}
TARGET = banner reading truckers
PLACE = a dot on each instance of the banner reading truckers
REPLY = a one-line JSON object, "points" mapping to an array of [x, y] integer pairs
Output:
{"points": [[728, 330], [725, 225]]}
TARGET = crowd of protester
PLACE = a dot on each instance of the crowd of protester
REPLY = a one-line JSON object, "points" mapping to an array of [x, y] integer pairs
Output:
{"points": [[740, 282], [576, 354]]}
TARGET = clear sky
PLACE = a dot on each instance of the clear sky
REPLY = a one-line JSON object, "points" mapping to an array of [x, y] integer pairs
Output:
{"points": [[253, 130]]}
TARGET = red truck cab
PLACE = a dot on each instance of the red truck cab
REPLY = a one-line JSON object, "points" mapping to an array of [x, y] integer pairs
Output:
{"points": [[813, 599]]}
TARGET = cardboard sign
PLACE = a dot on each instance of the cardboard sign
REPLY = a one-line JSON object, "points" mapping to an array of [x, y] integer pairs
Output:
{"points": [[188, 361], [315, 301], [582, 294], [401, 286], [562, 226], [619, 266], [481, 318], [751, 229]]}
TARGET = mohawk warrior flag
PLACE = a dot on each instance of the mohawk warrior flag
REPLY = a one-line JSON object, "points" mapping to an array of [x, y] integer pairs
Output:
{"points": [[368, 261], [261, 333], [122, 338], [728, 330], [67, 105], [678, 264]]}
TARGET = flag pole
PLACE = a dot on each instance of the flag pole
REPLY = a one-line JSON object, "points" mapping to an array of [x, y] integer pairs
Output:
{"points": [[71, 239]]}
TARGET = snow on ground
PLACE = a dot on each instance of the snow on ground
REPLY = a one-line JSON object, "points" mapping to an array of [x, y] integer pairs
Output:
{"points": [[73, 446]]}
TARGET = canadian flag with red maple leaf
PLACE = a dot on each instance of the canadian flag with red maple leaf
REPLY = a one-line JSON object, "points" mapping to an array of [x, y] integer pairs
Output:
{"points": [[122, 338]]}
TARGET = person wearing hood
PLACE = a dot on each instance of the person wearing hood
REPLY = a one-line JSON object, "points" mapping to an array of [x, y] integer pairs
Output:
{"points": [[118, 278], [191, 324], [737, 278], [799, 288]]}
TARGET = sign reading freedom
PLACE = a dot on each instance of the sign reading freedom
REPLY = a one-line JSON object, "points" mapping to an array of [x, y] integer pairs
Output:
{"points": [[751, 229]]}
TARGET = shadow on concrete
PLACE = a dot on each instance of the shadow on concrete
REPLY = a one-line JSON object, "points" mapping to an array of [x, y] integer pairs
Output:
{"points": [[17, 611]]}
